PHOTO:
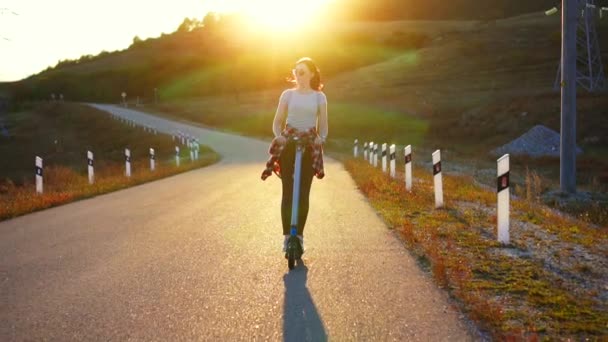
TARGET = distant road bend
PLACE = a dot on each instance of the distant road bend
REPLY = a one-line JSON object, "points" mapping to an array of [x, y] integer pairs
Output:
{"points": [[197, 257]]}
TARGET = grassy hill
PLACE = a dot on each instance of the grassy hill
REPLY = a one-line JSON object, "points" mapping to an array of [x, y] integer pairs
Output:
{"points": [[204, 60], [473, 86], [465, 86], [437, 9]]}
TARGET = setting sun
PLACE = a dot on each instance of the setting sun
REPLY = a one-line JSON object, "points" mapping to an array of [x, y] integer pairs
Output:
{"points": [[284, 15]]}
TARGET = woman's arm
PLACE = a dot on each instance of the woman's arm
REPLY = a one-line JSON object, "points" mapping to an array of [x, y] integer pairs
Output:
{"points": [[323, 124], [280, 115]]}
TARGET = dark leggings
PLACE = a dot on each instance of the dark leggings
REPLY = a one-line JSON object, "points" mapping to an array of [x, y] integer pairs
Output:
{"points": [[287, 162]]}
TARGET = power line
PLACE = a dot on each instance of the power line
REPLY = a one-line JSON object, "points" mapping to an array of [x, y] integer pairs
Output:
{"points": [[5, 10], [9, 11]]}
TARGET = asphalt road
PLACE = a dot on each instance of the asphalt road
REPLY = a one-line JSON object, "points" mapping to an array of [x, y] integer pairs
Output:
{"points": [[198, 257]]}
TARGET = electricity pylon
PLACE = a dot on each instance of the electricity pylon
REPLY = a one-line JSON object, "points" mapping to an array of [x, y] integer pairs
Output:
{"points": [[589, 68]]}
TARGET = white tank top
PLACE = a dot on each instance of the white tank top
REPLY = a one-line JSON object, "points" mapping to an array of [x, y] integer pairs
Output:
{"points": [[303, 109]]}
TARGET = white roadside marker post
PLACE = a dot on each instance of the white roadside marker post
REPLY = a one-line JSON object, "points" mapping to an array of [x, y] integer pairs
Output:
{"points": [[127, 162], [503, 194], [408, 167], [356, 148], [437, 181], [371, 152], [384, 157], [376, 155], [152, 160], [191, 147], [90, 167], [365, 151], [177, 155], [392, 161], [39, 175]]}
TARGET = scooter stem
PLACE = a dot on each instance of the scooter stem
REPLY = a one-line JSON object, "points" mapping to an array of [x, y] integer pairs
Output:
{"points": [[296, 188]]}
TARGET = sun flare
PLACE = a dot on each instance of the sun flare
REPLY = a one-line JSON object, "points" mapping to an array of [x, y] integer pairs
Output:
{"points": [[286, 15]]}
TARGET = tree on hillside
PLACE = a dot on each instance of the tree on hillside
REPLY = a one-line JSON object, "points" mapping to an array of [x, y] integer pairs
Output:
{"points": [[210, 21], [189, 24], [136, 41]]}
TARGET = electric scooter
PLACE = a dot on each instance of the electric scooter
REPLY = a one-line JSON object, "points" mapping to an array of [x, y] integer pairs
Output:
{"points": [[294, 247]]}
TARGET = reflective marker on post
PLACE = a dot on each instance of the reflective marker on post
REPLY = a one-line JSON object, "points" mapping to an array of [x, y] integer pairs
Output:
{"points": [[384, 157], [90, 167], [437, 181], [408, 167], [356, 148], [365, 150], [392, 158], [39, 175], [502, 188], [177, 155], [152, 160], [128, 162]]}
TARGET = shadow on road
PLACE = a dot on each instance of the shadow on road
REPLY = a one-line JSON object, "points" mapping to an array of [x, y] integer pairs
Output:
{"points": [[301, 321]]}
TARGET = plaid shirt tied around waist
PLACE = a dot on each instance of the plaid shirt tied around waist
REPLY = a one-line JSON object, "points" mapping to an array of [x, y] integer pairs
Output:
{"points": [[272, 165]]}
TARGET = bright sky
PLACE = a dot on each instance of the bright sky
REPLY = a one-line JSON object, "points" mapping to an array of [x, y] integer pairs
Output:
{"points": [[46, 31]]}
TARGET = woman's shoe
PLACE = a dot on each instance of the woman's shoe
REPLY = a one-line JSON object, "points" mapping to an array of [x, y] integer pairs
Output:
{"points": [[285, 243]]}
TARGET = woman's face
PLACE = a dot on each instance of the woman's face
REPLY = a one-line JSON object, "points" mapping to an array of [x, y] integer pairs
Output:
{"points": [[302, 75]]}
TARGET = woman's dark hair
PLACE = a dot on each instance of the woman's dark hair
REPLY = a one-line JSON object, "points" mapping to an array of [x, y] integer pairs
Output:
{"points": [[315, 81]]}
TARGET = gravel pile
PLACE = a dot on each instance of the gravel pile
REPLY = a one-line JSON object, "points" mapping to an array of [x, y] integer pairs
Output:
{"points": [[539, 141]]}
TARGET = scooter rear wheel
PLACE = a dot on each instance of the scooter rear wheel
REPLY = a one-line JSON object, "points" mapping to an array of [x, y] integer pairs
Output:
{"points": [[291, 262], [294, 251]]}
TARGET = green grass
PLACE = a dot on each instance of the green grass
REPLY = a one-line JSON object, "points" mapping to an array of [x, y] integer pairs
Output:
{"points": [[477, 86], [457, 86]]}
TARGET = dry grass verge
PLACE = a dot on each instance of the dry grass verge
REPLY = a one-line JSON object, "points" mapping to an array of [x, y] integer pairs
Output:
{"points": [[549, 283]]}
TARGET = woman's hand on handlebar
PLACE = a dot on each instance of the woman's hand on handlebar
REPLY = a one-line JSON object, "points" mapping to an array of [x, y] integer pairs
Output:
{"points": [[281, 140], [318, 141]]}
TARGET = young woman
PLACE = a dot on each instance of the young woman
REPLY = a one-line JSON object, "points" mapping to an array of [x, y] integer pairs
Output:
{"points": [[302, 111]]}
